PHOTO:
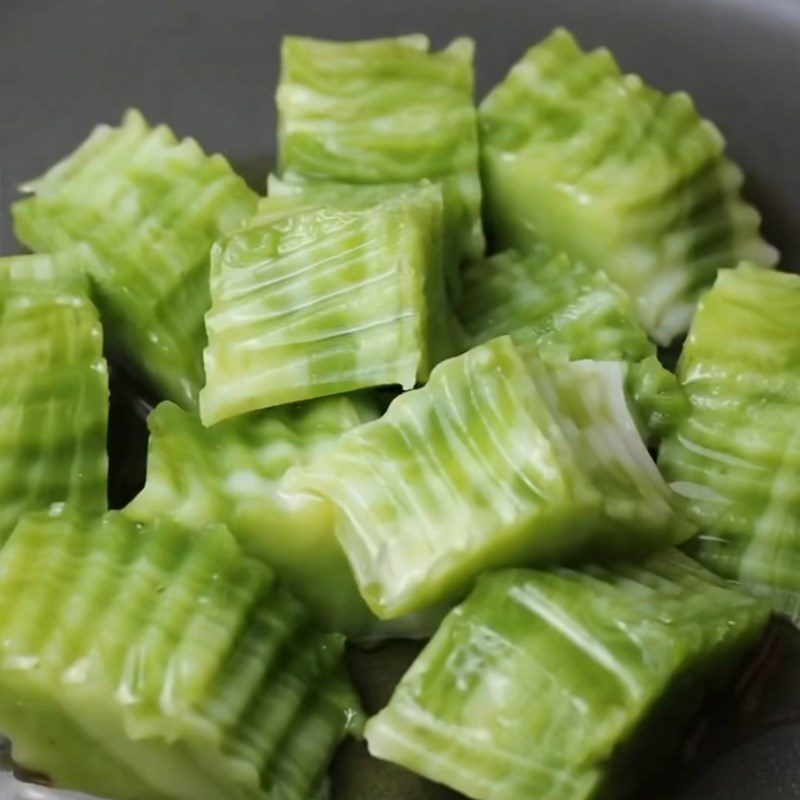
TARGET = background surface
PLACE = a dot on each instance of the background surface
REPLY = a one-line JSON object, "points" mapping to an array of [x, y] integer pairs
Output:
{"points": [[209, 68]]}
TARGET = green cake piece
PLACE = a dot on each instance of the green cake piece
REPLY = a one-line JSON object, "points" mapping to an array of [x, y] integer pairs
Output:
{"points": [[234, 472], [563, 684], [502, 458], [546, 300], [384, 111], [617, 174], [169, 656], [53, 389], [313, 300], [293, 193], [358, 197], [544, 297], [148, 207], [353, 196], [736, 455]]}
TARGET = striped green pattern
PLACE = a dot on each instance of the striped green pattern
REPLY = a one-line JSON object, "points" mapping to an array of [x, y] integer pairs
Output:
{"points": [[325, 193], [311, 301], [545, 299], [170, 656], [544, 685], [617, 174], [637, 510], [498, 460], [359, 196], [53, 389], [149, 207], [447, 333], [233, 472], [736, 456], [384, 111]]}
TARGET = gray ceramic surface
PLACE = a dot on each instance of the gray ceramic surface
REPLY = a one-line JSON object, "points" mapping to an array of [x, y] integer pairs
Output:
{"points": [[209, 68]]}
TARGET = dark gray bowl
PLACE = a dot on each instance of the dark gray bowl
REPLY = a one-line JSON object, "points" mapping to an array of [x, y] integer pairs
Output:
{"points": [[209, 67]]}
